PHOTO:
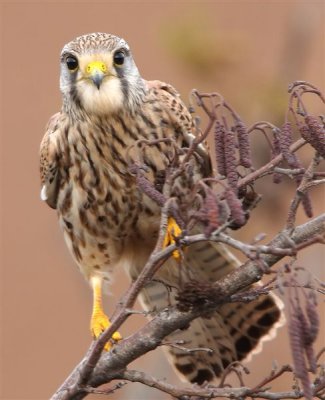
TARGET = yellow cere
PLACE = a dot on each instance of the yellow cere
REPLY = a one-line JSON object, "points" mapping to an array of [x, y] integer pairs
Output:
{"points": [[96, 65]]}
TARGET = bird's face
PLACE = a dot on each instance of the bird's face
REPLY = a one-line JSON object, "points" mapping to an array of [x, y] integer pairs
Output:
{"points": [[98, 74]]}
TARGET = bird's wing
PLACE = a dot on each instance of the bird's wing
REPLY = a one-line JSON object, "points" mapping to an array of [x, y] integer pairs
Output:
{"points": [[49, 162], [170, 99]]}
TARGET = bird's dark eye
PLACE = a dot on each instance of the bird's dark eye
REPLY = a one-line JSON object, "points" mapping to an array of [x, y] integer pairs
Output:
{"points": [[72, 63], [119, 57]]}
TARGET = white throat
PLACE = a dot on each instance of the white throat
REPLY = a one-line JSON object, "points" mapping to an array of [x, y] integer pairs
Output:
{"points": [[108, 98]]}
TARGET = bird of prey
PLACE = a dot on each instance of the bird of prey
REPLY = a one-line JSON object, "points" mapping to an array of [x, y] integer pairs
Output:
{"points": [[108, 222]]}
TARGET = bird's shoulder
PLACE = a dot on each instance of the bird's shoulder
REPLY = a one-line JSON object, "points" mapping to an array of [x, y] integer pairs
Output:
{"points": [[162, 87], [170, 100]]}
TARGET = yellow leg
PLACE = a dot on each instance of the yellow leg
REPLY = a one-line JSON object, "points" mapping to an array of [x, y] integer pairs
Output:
{"points": [[173, 230], [99, 320]]}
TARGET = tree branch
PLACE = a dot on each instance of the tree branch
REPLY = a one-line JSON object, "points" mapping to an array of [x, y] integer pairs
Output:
{"points": [[112, 364], [207, 392]]}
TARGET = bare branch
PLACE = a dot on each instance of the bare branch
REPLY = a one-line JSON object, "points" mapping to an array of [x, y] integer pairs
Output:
{"points": [[167, 321]]}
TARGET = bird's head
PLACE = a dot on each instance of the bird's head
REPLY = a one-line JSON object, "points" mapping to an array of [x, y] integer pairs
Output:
{"points": [[98, 74]]}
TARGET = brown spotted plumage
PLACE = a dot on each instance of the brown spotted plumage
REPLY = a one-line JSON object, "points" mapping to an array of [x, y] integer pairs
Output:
{"points": [[108, 222]]}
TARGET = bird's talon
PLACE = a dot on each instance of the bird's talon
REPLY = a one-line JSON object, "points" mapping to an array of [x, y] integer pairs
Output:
{"points": [[173, 231], [99, 324], [116, 336], [108, 346]]}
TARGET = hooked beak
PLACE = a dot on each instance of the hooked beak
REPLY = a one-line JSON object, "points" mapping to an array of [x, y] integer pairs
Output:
{"points": [[96, 71], [97, 78]]}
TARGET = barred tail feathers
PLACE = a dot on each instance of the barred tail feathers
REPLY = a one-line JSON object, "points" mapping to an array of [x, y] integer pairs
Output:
{"points": [[233, 333]]}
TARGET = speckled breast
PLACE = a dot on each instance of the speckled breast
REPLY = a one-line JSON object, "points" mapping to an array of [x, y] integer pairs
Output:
{"points": [[101, 209]]}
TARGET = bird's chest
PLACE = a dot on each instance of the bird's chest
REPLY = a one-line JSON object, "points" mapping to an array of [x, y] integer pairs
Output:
{"points": [[100, 200]]}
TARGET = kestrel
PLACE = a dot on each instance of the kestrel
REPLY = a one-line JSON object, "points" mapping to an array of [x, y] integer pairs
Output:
{"points": [[108, 222]]}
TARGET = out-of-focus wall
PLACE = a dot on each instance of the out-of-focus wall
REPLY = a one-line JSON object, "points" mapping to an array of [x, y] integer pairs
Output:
{"points": [[248, 51]]}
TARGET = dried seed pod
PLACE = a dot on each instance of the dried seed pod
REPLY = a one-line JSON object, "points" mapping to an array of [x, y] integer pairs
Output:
{"points": [[277, 178], [285, 141], [303, 324], [304, 131], [219, 145], [310, 354], [307, 335], [146, 186], [237, 213], [316, 134], [313, 318], [249, 200], [307, 205], [245, 157], [211, 213], [299, 362], [281, 144], [231, 160]]}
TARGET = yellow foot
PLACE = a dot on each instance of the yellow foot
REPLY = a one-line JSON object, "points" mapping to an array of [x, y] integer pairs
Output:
{"points": [[99, 320], [99, 323], [173, 231]]}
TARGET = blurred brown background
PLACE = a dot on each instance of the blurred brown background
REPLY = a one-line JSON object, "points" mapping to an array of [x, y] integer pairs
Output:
{"points": [[247, 50]]}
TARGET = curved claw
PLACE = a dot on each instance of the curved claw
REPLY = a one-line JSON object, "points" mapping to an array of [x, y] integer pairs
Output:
{"points": [[173, 231], [99, 320]]}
